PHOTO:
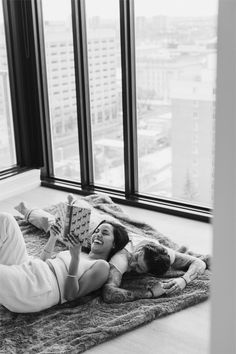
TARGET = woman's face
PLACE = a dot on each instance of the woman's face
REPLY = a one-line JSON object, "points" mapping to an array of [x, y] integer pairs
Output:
{"points": [[102, 239]]}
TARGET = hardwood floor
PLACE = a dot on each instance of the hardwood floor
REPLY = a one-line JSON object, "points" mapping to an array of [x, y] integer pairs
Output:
{"points": [[185, 332]]}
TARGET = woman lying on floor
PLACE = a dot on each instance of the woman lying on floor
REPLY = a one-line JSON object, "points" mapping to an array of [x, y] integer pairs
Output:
{"points": [[146, 256], [30, 284]]}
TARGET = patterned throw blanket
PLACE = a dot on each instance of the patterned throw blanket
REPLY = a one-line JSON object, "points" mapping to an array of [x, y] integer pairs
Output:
{"points": [[79, 325]]}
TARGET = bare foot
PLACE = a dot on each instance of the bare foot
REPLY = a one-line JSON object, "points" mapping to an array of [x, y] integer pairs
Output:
{"points": [[71, 199], [22, 208]]}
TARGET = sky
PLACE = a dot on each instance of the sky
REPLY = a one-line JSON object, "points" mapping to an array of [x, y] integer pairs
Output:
{"points": [[110, 8], [1, 14], [176, 7], [59, 10]]}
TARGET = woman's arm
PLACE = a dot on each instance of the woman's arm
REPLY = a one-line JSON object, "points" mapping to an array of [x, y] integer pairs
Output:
{"points": [[72, 284], [94, 277], [49, 247], [91, 280]]}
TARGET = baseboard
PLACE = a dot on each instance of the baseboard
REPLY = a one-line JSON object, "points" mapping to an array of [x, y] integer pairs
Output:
{"points": [[19, 183]]}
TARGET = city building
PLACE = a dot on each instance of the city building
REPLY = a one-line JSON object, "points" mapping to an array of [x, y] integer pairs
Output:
{"points": [[192, 139], [61, 76], [7, 145]]}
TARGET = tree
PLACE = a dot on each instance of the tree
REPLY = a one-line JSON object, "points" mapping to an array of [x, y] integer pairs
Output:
{"points": [[189, 191]]}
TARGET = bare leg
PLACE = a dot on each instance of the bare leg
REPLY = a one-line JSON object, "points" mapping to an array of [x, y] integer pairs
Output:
{"points": [[37, 217]]}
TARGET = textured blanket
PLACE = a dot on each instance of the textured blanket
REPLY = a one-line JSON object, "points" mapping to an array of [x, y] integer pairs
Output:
{"points": [[77, 326]]}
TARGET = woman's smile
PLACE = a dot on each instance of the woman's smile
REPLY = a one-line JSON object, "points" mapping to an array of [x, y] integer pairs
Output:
{"points": [[103, 238], [98, 240]]}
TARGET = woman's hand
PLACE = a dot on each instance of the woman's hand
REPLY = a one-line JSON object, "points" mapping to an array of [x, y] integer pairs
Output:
{"points": [[74, 245], [174, 285], [55, 229], [72, 284]]}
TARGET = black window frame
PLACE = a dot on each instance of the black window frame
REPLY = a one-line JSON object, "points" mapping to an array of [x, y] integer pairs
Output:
{"points": [[23, 87], [36, 87]]}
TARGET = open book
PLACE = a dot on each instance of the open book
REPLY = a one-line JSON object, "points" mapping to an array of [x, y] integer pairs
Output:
{"points": [[74, 220]]}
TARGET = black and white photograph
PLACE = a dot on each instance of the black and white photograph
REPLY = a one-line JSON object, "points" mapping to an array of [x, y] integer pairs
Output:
{"points": [[117, 176]]}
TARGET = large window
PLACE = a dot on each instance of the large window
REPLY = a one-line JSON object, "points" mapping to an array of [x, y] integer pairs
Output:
{"points": [[61, 88], [175, 75], [7, 142], [116, 96], [103, 34], [132, 83]]}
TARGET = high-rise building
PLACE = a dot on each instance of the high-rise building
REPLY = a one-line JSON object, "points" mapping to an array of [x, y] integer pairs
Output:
{"points": [[104, 88], [157, 66], [61, 77], [7, 149], [192, 141]]}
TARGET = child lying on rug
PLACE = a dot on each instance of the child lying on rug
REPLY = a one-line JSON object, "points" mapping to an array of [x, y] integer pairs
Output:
{"points": [[32, 284], [144, 257]]}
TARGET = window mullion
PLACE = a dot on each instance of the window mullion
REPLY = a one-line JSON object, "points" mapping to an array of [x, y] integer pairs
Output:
{"points": [[8, 24], [82, 92], [48, 168], [23, 83], [129, 97]]}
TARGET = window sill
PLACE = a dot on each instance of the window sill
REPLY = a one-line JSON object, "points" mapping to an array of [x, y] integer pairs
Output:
{"points": [[19, 183], [200, 214]]}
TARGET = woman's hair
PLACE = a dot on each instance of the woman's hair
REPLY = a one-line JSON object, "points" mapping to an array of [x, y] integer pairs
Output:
{"points": [[156, 258], [121, 237]]}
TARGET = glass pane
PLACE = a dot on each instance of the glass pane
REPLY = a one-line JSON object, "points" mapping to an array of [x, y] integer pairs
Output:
{"points": [[103, 35], [7, 142], [61, 87], [176, 79]]}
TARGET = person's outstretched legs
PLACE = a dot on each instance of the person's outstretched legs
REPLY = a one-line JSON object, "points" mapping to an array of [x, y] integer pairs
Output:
{"points": [[12, 244], [37, 217], [26, 284]]}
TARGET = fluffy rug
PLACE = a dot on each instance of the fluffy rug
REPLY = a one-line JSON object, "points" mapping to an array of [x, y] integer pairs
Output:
{"points": [[77, 326]]}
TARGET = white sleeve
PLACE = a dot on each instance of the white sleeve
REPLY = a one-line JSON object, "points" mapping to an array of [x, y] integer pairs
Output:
{"points": [[120, 261]]}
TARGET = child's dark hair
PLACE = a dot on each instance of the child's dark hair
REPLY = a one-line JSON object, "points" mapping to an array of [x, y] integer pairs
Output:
{"points": [[157, 259]]}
